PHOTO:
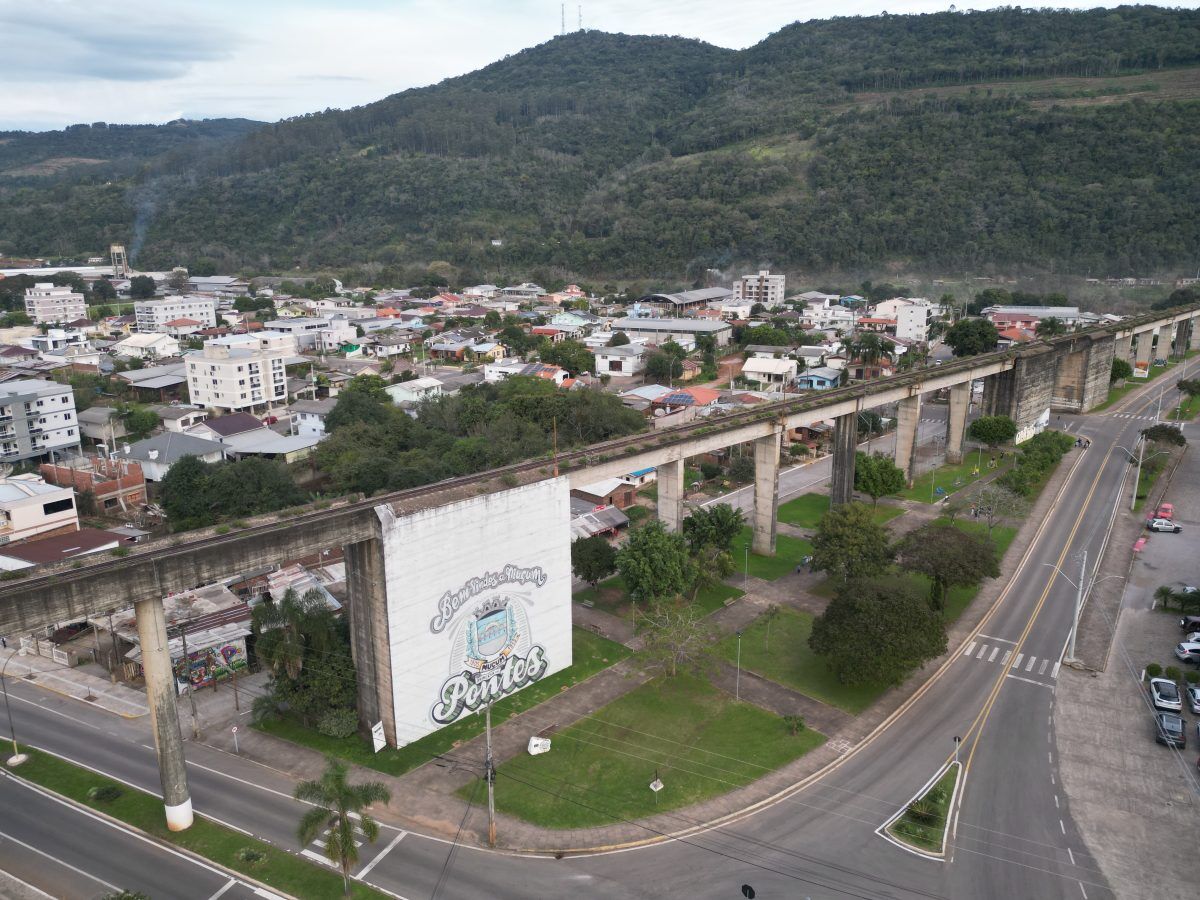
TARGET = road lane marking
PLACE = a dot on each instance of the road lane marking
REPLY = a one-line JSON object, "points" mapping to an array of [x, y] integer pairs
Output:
{"points": [[1030, 681], [1029, 667], [382, 853], [63, 863], [1001, 640], [992, 658], [1056, 806], [1062, 826], [1070, 856], [1082, 891], [982, 650], [1054, 671], [970, 649], [1017, 662], [230, 883], [1007, 655], [323, 860], [1042, 667]]}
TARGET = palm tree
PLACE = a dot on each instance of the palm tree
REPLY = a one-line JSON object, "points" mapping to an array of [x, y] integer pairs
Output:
{"points": [[289, 628], [338, 809], [1167, 596], [869, 348]]}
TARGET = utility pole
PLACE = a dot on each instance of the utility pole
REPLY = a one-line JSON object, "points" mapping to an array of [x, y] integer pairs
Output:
{"points": [[1137, 480], [490, 774], [1078, 608], [113, 635], [187, 670]]}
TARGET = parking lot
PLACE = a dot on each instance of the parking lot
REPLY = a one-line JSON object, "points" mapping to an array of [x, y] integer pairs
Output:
{"points": [[1135, 801]]}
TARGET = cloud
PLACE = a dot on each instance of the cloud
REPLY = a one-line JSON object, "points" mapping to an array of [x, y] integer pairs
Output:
{"points": [[66, 40]]}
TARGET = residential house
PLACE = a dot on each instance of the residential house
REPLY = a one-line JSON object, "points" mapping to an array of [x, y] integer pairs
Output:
{"points": [[218, 428], [116, 484], [589, 520], [1013, 335], [481, 291], [389, 344], [158, 453], [57, 339], [183, 328], [147, 345], [56, 548], [609, 492], [102, 424], [816, 298], [308, 416], [10, 353], [769, 373], [180, 417], [687, 398], [269, 444], [911, 315], [524, 291], [553, 335], [819, 378], [30, 506], [641, 477], [414, 391], [157, 382], [627, 359], [1029, 316], [220, 285]]}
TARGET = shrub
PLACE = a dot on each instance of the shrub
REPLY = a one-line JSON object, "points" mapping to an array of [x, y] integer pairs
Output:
{"points": [[1172, 673], [923, 811], [106, 793], [709, 470], [637, 513], [120, 551], [1153, 670], [1192, 677], [795, 724], [338, 723], [251, 855]]}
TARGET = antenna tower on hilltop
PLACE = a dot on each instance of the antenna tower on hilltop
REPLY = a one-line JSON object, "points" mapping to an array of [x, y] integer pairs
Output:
{"points": [[562, 9], [579, 10]]}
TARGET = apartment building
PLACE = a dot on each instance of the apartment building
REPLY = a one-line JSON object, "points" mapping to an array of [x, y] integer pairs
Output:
{"points": [[156, 315], [912, 315], [49, 304], [37, 417], [241, 371], [763, 288], [312, 333], [29, 506]]}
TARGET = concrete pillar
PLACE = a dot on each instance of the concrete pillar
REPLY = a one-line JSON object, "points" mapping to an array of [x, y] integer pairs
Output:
{"points": [[1193, 335], [1180, 347], [845, 446], [370, 642], [164, 718], [1142, 348], [908, 418], [1123, 348], [766, 493], [670, 494], [956, 422], [999, 394]]}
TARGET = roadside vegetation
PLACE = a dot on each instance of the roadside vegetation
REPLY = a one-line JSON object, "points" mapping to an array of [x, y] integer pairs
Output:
{"points": [[923, 822]]}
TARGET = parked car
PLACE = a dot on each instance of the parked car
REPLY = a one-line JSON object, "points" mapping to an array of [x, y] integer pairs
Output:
{"points": [[1164, 694], [1165, 511], [1168, 730], [1193, 698], [1163, 525], [1190, 623], [1188, 652]]}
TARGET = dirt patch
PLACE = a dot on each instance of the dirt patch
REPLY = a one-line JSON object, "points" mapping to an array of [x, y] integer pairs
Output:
{"points": [[52, 166]]}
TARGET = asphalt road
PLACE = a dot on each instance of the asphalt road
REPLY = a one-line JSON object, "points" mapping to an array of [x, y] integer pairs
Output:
{"points": [[1013, 835]]}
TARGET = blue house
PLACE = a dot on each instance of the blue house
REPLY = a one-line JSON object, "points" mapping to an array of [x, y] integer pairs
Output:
{"points": [[820, 378]]}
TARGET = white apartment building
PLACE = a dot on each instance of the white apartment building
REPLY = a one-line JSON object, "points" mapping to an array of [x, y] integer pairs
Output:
{"points": [[312, 333], [912, 315], [37, 417], [241, 371], [153, 315], [763, 288], [837, 318], [49, 304], [29, 506]]}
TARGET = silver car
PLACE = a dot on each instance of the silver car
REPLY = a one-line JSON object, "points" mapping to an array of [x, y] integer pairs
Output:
{"points": [[1188, 651], [1164, 694], [1192, 692]]}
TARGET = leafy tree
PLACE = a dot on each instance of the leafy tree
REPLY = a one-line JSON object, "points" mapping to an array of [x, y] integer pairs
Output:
{"points": [[1050, 327], [710, 566], [992, 430], [877, 631], [339, 814], [768, 617], [570, 355], [619, 339], [675, 637], [1189, 386], [183, 494], [741, 468], [877, 476], [654, 563], [177, 281], [360, 407], [970, 337], [949, 557], [850, 544], [253, 304], [1165, 435], [139, 421], [592, 559], [662, 367], [869, 422], [713, 526], [250, 486], [372, 386], [102, 291], [995, 503], [141, 287], [290, 630], [1121, 370]]}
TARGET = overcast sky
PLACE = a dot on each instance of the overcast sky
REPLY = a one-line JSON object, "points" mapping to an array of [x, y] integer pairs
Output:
{"points": [[68, 61]]}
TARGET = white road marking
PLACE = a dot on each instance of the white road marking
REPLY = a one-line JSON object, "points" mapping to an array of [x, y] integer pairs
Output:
{"points": [[1042, 667], [1054, 672], [970, 649], [1052, 781], [1017, 661], [1031, 681], [1070, 856], [1062, 826], [230, 883], [992, 658], [382, 853], [1056, 806], [259, 892], [65, 865], [1029, 667], [1001, 640], [982, 650], [1082, 891], [1007, 655], [318, 857], [1050, 757]]}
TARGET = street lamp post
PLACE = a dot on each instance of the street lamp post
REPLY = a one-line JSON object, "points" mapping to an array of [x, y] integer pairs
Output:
{"points": [[18, 757], [737, 685], [1082, 589]]}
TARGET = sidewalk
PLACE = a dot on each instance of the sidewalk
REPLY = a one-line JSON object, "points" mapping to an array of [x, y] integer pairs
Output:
{"points": [[87, 683]]}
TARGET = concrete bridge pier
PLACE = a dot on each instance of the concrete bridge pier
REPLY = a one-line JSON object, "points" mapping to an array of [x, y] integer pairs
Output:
{"points": [[908, 418], [1123, 348], [1193, 335], [766, 492], [1183, 332], [1143, 348], [670, 494], [164, 717], [956, 422], [370, 642], [845, 446]]}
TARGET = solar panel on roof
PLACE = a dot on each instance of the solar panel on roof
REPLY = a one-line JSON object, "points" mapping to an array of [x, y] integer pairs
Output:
{"points": [[679, 398]]}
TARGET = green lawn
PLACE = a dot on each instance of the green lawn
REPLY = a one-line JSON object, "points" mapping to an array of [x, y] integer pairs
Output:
{"points": [[1131, 384], [923, 824], [591, 654], [1186, 410], [806, 510], [953, 478], [610, 595], [690, 477], [275, 867], [697, 740], [787, 660], [788, 553]]}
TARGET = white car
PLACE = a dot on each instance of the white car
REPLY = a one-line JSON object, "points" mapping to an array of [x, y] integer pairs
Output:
{"points": [[1188, 651], [1164, 694], [1163, 525], [1192, 691]]}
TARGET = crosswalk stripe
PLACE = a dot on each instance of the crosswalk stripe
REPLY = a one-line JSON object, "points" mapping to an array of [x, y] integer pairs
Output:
{"points": [[1042, 667], [1054, 673], [1017, 662], [970, 649], [1007, 654], [1032, 660], [992, 658], [982, 650]]}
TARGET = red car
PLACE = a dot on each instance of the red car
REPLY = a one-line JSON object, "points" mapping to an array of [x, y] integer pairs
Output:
{"points": [[1165, 511], [270, 420]]}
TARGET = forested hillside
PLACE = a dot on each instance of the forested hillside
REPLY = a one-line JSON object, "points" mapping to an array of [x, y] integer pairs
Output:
{"points": [[853, 143]]}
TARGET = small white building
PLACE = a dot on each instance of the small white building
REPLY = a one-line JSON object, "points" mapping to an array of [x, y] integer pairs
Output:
{"points": [[769, 372], [414, 391], [146, 345], [308, 416], [628, 359], [29, 506]]}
